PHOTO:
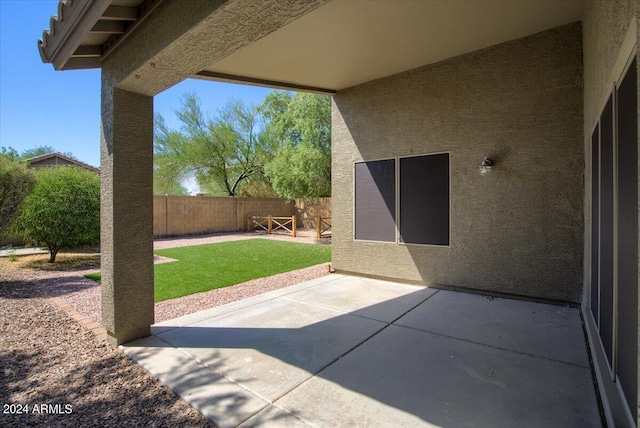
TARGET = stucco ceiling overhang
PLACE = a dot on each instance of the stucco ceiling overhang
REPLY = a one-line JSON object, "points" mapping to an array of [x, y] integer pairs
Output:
{"points": [[349, 42], [335, 46]]}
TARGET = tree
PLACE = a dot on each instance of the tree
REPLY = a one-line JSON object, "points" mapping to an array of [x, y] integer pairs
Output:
{"points": [[9, 153], [300, 171], [165, 183], [300, 124], [41, 150], [160, 188], [258, 186], [36, 151], [16, 181], [168, 159], [63, 210], [222, 152]]}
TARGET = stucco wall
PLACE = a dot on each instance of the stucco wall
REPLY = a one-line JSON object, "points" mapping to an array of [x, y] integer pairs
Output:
{"points": [[518, 230], [605, 28], [608, 41]]}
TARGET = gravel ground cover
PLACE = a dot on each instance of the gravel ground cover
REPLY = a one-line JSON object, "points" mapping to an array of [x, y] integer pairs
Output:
{"points": [[51, 363], [87, 300]]}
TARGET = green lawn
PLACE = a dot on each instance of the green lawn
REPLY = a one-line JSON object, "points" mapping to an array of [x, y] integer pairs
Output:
{"points": [[206, 267], [94, 276]]}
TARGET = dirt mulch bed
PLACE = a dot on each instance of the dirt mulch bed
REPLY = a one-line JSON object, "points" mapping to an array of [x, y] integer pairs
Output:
{"points": [[37, 264], [49, 363]]}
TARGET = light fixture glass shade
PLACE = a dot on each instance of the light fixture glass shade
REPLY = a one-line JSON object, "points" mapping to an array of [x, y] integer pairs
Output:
{"points": [[485, 166]]}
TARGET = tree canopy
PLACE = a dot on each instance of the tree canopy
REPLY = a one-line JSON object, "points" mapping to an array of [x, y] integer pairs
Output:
{"points": [[36, 151], [41, 150], [279, 148], [16, 181], [9, 153], [221, 152], [301, 125], [13, 155], [63, 210]]}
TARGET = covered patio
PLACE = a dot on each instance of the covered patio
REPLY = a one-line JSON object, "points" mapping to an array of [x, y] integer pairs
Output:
{"points": [[422, 91], [349, 351]]}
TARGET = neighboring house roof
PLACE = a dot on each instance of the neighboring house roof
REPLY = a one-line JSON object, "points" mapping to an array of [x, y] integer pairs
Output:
{"points": [[55, 158]]}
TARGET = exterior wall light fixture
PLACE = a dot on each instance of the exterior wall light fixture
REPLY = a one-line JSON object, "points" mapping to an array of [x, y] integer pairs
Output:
{"points": [[485, 166]]}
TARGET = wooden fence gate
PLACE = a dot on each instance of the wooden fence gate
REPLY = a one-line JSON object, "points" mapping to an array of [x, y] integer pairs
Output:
{"points": [[271, 224]]}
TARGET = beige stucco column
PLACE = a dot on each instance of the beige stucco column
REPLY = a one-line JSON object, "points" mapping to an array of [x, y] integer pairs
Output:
{"points": [[178, 40], [126, 213]]}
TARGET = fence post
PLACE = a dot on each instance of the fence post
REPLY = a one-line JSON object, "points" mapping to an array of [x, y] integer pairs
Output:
{"points": [[269, 225], [319, 228], [248, 223], [293, 225]]}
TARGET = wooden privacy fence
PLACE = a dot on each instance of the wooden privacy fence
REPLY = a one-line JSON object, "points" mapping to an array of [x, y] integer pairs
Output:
{"points": [[267, 223], [324, 224]]}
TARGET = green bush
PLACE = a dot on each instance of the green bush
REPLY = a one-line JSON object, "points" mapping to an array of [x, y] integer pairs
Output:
{"points": [[16, 181], [62, 211]]}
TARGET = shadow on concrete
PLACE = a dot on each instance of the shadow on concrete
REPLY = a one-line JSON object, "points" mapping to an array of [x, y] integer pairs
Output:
{"points": [[439, 379]]}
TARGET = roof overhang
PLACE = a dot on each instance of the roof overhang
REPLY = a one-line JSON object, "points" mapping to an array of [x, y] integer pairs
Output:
{"points": [[336, 45], [84, 32]]}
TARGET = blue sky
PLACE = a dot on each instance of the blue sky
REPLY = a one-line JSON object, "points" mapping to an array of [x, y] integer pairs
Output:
{"points": [[41, 106]]}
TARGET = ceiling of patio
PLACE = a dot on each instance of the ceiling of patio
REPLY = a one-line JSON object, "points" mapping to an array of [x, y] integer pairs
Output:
{"points": [[345, 43]]}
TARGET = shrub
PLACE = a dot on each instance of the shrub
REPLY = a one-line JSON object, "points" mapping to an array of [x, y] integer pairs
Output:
{"points": [[16, 181], [63, 210]]}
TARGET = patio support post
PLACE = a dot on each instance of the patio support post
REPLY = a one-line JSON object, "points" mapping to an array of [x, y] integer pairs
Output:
{"points": [[126, 213]]}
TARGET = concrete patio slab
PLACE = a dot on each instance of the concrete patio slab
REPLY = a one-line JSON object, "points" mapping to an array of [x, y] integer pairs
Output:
{"points": [[222, 401], [330, 353], [407, 377], [275, 417], [240, 304], [274, 346], [539, 329], [369, 298]]}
